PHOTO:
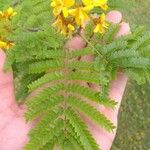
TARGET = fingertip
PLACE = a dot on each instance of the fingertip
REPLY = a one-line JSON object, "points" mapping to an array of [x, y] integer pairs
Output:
{"points": [[124, 29], [114, 17], [75, 43]]}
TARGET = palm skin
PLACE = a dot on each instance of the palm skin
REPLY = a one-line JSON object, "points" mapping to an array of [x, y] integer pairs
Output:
{"points": [[14, 129]]}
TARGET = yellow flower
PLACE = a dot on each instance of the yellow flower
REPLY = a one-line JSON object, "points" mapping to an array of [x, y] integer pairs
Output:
{"points": [[6, 45], [3, 44], [101, 24], [96, 3], [63, 26], [81, 14], [70, 28], [88, 2], [8, 13], [59, 23], [62, 6], [101, 3]]}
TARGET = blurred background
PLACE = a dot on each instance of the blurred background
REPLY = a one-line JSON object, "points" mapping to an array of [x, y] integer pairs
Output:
{"points": [[134, 118]]}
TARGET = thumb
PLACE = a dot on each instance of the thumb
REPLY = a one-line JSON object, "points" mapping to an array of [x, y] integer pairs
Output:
{"points": [[7, 96]]}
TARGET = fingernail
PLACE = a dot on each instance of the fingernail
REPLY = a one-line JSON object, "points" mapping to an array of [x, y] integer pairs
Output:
{"points": [[124, 29], [114, 17]]}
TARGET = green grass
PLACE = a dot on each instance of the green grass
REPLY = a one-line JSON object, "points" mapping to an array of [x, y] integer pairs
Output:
{"points": [[139, 13], [134, 118]]}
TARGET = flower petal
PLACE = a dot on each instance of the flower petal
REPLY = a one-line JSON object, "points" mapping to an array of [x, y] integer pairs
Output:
{"points": [[68, 3]]}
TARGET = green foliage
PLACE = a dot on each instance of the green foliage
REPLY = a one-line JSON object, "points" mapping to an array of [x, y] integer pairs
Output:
{"points": [[22, 88], [81, 130], [91, 112], [42, 64]]}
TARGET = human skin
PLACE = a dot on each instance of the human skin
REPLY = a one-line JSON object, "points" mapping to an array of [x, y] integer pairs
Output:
{"points": [[14, 129]]}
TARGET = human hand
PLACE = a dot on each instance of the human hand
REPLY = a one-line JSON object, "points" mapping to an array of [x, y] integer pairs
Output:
{"points": [[14, 130]]}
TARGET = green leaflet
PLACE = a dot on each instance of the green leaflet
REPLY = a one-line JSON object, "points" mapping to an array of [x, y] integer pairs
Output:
{"points": [[42, 107], [47, 135], [113, 47], [47, 119], [74, 142], [43, 95], [73, 137], [22, 89], [111, 33], [48, 146], [45, 79], [127, 53], [43, 66], [84, 76], [142, 41], [81, 65], [90, 94], [81, 130], [42, 63], [91, 112], [80, 52], [143, 63]]}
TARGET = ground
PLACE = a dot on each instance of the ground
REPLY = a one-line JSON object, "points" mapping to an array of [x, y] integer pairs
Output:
{"points": [[134, 119]]}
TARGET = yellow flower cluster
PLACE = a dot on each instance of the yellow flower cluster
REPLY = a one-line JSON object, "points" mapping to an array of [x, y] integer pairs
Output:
{"points": [[71, 15], [8, 14]]}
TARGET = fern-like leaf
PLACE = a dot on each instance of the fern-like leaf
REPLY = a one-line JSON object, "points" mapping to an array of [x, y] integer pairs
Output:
{"points": [[46, 78], [43, 64], [46, 135], [90, 94], [82, 131], [38, 109], [91, 112]]}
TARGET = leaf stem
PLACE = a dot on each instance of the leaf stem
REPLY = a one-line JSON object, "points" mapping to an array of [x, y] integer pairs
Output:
{"points": [[91, 45]]}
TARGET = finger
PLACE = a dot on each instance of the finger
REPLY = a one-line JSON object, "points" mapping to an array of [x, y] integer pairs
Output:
{"points": [[124, 29], [116, 92], [7, 97], [102, 137], [114, 17], [121, 79], [75, 43], [117, 88]]}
